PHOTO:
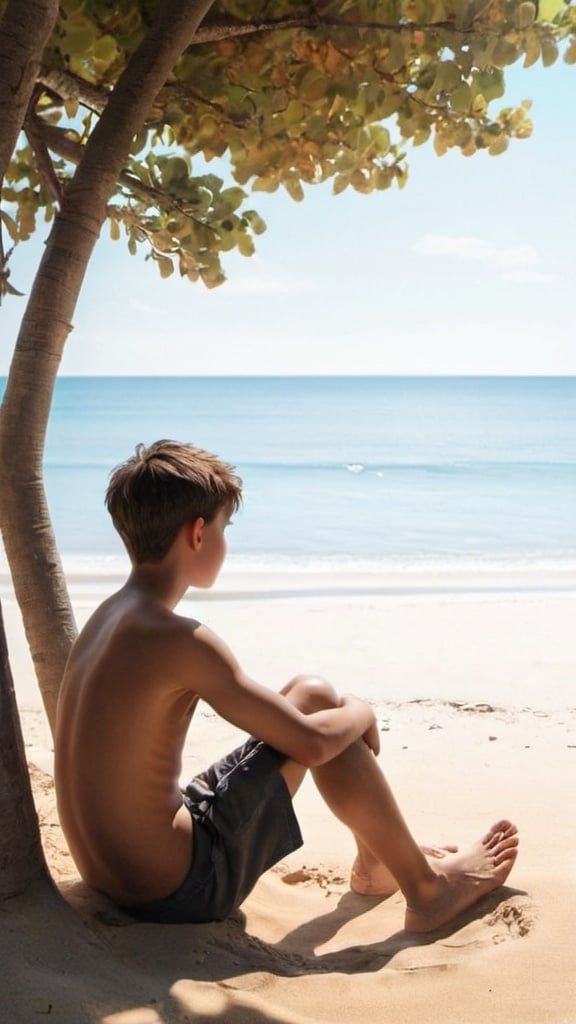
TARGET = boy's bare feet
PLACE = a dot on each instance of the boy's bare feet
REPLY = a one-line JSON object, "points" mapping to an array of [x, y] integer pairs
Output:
{"points": [[379, 881], [463, 878]]}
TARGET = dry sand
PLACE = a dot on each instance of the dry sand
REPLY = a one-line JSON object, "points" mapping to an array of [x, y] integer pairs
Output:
{"points": [[473, 680]]}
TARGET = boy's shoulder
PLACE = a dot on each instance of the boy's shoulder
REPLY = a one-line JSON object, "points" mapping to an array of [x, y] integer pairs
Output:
{"points": [[123, 625], [152, 630], [143, 644]]}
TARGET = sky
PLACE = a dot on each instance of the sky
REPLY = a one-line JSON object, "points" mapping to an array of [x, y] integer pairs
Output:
{"points": [[470, 269]]}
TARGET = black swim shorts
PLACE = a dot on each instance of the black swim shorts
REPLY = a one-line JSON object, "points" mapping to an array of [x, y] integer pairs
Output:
{"points": [[243, 823]]}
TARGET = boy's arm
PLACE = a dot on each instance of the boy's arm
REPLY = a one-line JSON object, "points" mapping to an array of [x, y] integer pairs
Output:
{"points": [[310, 739]]}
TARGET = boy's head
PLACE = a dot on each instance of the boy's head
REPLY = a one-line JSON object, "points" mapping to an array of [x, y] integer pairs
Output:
{"points": [[162, 487]]}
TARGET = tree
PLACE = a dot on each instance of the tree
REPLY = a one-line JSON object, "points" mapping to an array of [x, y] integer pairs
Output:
{"points": [[21, 857], [116, 99]]}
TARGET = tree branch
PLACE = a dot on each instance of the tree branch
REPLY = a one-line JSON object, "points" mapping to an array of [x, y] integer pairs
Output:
{"points": [[216, 31], [70, 87], [59, 142], [33, 129]]}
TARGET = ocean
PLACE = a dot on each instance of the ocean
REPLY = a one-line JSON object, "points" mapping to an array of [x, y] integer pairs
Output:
{"points": [[339, 471]]}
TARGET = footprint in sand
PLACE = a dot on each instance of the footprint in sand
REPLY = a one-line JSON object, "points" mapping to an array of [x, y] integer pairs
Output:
{"points": [[323, 877], [511, 920]]}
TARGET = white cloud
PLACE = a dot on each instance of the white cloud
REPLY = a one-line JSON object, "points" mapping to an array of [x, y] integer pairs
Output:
{"points": [[443, 245], [266, 284], [519, 263]]}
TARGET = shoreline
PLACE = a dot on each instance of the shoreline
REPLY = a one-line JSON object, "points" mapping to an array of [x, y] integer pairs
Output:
{"points": [[93, 579], [493, 637]]}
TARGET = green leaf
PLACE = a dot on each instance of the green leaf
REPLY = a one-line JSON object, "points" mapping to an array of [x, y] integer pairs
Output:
{"points": [[71, 107], [316, 129], [265, 184], [341, 182], [294, 189], [245, 245], [230, 199], [380, 138], [461, 98], [361, 181], [105, 52], [490, 83], [479, 106], [570, 55], [463, 135], [532, 51], [548, 9], [505, 52], [524, 14], [447, 77], [165, 266], [174, 173], [313, 87], [27, 218], [257, 225], [212, 277], [421, 136], [11, 226], [500, 145], [294, 113], [383, 178], [79, 39], [549, 52], [394, 99]]}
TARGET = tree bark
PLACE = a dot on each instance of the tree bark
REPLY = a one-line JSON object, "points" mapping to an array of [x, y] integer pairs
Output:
{"points": [[21, 856], [24, 32], [24, 517]]}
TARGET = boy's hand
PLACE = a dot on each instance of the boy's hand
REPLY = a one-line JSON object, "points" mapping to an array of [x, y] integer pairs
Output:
{"points": [[372, 737]]}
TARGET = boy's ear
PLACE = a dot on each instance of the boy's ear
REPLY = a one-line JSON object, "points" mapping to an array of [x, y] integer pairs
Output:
{"points": [[195, 532]]}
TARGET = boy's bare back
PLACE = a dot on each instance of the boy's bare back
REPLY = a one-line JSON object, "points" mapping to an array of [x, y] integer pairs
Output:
{"points": [[124, 710]]}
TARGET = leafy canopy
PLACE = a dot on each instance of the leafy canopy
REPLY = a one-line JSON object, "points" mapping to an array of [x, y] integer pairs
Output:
{"points": [[288, 93]]}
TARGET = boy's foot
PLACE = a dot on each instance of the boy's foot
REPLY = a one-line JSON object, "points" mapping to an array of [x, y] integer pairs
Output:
{"points": [[379, 881], [463, 878]]}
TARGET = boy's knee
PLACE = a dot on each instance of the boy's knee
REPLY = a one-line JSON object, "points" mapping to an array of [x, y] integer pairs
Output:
{"points": [[311, 693]]}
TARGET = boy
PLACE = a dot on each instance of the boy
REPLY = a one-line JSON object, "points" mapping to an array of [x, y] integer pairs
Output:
{"points": [[133, 680]]}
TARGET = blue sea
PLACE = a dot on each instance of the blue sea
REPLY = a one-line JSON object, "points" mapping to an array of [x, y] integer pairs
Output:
{"points": [[339, 471]]}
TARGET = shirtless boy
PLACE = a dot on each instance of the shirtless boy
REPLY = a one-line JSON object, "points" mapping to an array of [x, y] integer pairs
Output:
{"points": [[133, 680]]}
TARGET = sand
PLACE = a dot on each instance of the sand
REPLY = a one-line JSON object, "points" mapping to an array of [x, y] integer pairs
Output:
{"points": [[472, 677]]}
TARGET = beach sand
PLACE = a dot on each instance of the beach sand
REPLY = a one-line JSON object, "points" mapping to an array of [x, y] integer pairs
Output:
{"points": [[472, 678]]}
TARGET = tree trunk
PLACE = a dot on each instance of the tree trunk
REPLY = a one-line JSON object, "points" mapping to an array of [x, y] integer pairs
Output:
{"points": [[24, 32], [21, 856], [24, 517]]}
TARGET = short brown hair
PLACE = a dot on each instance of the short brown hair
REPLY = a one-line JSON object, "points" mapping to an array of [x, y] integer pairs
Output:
{"points": [[163, 486]]}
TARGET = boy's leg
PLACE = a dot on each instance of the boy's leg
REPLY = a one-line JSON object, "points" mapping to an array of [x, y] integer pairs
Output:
{"points": [[369, 876], [353, 786]]}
